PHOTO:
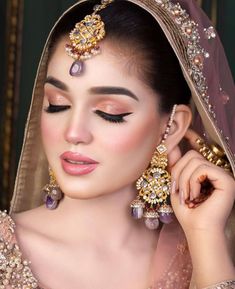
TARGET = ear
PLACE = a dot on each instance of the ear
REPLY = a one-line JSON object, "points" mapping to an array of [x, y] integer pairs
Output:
{"points": [[181, 122]]}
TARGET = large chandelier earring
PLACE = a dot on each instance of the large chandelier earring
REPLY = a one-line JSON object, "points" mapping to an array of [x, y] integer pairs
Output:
{"points": [[153, 199], [52, 192]]}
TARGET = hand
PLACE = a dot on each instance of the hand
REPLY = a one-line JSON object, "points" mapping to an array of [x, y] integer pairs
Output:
{"points": [[193, 209]]}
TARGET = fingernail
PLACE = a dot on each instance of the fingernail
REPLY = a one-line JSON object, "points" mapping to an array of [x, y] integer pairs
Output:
{"points": [[202, 178], [191, 197], [191, 205], [173, 185], [181, 196]]}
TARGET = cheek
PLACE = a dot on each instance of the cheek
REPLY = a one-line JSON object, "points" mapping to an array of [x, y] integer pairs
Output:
{"points": [[50, 131], [130, 151], [141, 136], [129, 141]]}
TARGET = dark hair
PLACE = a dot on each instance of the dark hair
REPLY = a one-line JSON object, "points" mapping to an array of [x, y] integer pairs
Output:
{"points": [[128, 25]]}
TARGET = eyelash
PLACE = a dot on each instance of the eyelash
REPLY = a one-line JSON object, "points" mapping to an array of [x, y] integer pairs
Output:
{"points": [[56, 108], [114, 118]]}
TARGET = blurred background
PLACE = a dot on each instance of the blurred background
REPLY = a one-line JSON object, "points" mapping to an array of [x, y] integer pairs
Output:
{"points": [[24, 25]]}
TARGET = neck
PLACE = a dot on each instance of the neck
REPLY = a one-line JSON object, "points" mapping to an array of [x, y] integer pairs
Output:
{"points": [[106, 216]]}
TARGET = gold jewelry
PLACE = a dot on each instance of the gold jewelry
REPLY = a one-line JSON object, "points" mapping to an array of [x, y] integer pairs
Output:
{"points": [[214, 154], [84, 38], [52, 192], [153, 200]]}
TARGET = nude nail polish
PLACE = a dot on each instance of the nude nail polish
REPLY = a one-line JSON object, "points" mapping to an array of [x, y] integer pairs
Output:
{"points": [[181, 196]]}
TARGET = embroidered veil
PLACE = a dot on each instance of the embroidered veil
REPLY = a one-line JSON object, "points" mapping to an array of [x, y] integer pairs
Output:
{"points": [[201, 56]]}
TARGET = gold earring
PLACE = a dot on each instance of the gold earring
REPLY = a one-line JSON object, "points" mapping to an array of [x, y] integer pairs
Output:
{"points": [[153, 199], [52, 192]]}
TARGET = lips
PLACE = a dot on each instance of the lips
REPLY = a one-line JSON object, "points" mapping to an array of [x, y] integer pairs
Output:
{"points": [[77, 164]]}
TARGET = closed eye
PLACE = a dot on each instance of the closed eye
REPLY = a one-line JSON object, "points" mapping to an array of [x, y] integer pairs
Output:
{"points": [[115, 118], [56, 108]]}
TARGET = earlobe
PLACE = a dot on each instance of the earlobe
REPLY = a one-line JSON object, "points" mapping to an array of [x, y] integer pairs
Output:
{"points": [[180, 124]]}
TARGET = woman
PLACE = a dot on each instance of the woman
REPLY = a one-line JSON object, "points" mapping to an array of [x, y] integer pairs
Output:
{"points": [[114, 111]]}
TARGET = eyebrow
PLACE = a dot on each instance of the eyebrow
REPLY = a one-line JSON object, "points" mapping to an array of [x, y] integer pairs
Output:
{"points": [[57, 83], [94, 90], [113, 90]]}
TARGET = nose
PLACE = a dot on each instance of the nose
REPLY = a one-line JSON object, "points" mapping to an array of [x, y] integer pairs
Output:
{"points": [[78, 131]]}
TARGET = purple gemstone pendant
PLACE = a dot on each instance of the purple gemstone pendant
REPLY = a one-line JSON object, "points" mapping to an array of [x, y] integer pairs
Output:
{"points": [[50, 203], [137, 212], [166, 214], [137, 209], [166, 218], [76, 68]]}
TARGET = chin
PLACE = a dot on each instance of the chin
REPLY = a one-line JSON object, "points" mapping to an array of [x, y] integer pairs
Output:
{"points": [[81, 194]]}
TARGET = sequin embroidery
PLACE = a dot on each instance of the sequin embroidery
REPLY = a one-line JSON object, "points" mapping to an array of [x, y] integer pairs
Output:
{"points": [[14, 270]]}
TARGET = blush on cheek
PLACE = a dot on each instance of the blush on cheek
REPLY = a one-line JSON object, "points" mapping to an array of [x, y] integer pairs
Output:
{"points": [[50, 132], [142, 137]]}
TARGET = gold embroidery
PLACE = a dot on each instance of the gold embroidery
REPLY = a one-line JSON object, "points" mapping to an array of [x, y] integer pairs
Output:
{"points": [[14, 270]]}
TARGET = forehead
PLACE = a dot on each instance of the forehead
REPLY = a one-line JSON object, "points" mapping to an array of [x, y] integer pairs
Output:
{"points": [[106, 68], [107, 60]]}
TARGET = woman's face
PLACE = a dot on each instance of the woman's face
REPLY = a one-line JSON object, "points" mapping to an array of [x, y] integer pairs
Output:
{"points": [[100, 129]]}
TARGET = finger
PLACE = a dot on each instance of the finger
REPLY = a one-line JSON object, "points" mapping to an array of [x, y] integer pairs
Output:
{"points": [[180, 208], [201, 173], [176, 201], [182, 163], [185, 175], [202, 190]]}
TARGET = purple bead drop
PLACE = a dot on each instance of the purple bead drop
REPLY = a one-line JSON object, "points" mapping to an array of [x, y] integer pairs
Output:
{"points": [[50, 203], [137, 212], [76, 68], [166, 218]]}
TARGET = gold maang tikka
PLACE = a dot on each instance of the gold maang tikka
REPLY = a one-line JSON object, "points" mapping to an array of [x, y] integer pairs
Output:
{"points": [[85, 37], [153, 199]]}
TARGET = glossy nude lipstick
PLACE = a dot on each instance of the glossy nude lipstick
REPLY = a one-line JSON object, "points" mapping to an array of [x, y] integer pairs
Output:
{"points": [[76, 164]]}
